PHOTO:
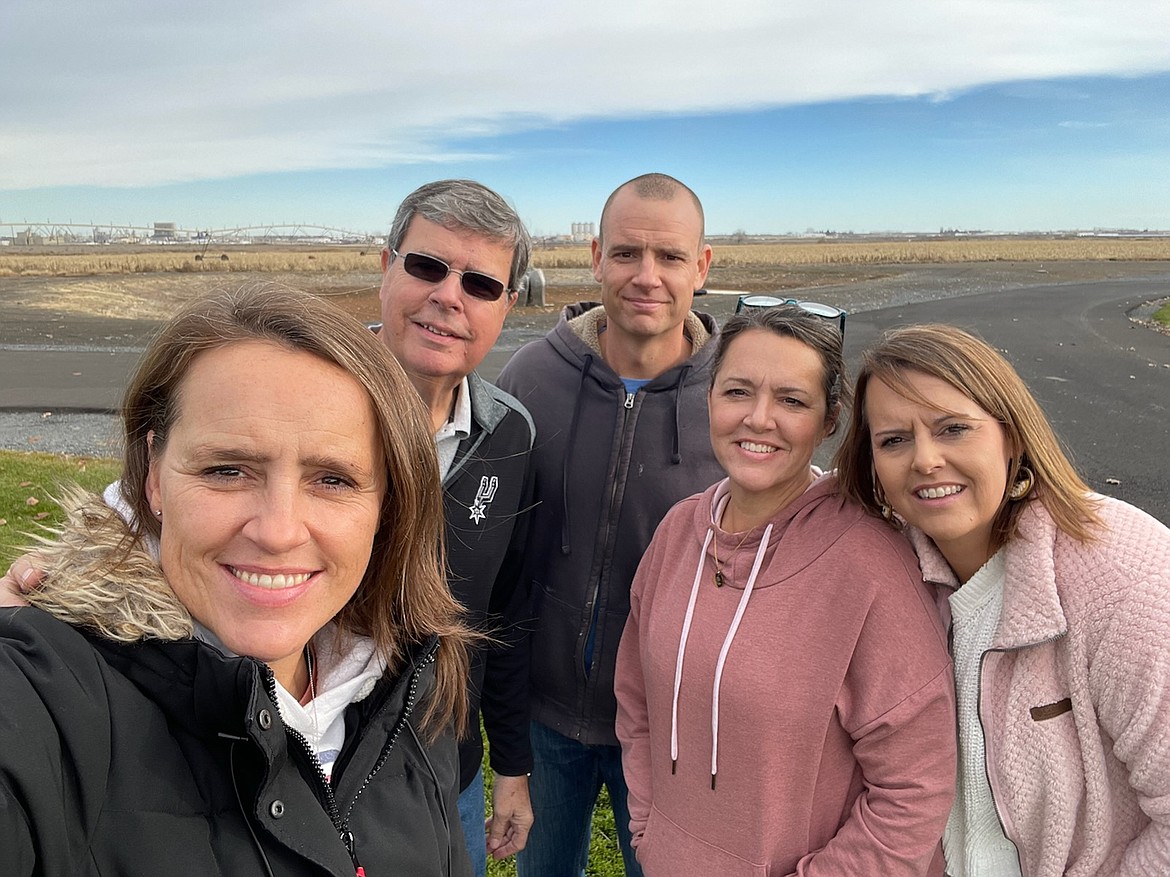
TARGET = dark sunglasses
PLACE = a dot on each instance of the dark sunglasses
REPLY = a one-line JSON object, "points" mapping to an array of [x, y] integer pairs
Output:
{"points": [[432, 270], [816, 308]]}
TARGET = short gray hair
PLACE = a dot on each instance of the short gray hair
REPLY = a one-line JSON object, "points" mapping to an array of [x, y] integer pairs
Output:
{"points": [[466, 204]]}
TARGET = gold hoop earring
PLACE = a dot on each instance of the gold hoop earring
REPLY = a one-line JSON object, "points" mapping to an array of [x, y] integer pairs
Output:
{"points": [[879, 496], [1023, 485]]}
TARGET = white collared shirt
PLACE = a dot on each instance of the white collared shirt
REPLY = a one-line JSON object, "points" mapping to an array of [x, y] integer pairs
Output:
{"points": [[455, 430]]}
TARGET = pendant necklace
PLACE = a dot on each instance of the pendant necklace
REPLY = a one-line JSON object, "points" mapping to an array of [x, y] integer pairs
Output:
{"points": [[311, 693], [720, 579]]}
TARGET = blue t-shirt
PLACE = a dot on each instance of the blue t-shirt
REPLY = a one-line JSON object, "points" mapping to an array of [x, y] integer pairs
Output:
{"points": [[633, 385]]}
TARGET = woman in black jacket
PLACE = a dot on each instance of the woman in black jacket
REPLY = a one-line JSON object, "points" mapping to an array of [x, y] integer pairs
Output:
{"points": [[253, 664]]}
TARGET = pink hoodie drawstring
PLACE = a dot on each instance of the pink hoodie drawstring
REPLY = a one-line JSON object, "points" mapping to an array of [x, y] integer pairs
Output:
{"points": [[682, 647], [727, 640]]}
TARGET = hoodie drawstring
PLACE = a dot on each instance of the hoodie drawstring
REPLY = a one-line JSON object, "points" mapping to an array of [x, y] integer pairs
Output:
{"points": [[676, 450], [565, 547], [739, 610], [727, 640], [682, 648]]}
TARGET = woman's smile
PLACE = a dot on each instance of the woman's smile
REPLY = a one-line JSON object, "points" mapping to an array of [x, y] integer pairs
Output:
{"points": [[270, 484], [768, 415]]}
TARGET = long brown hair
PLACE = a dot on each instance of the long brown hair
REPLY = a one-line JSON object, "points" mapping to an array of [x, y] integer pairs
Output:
{"points": [[980, 373], [403, 598]]}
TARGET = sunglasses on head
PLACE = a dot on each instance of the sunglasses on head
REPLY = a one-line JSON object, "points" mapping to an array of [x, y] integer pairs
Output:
{"points": [[432, 270], [816, 308]]}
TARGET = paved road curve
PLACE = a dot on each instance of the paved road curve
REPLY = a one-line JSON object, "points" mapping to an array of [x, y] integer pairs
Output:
{"points": [[1103, 380]]}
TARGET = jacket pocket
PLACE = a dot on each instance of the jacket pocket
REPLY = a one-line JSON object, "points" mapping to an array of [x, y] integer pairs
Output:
{"points": [[556, 669], [668, 850], [1051, 710]]}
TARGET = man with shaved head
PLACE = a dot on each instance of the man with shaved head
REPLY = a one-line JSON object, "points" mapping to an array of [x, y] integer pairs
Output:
{"points": [[618, 391]]}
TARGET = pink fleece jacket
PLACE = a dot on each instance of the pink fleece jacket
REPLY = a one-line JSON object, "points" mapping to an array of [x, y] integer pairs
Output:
{"points": [[836, 739], [1075, 694]]}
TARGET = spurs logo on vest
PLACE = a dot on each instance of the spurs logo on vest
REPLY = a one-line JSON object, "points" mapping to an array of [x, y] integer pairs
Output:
{"points": [[484, 497]]}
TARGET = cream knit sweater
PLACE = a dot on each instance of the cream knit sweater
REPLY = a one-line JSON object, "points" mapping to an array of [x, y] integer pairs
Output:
{"points": [[1075, 695]]}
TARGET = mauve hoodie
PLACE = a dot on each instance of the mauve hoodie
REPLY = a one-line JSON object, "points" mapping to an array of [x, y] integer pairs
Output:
{"points": [[835, 718]]}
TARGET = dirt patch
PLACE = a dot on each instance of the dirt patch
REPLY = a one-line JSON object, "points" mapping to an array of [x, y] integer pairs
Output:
{"points": [[123, 310]]}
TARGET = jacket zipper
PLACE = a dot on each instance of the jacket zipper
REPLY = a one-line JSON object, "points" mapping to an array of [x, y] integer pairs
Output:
{"points": [[407, 709], [986, 753], [341, 824], [591, 629], [987, 756]]}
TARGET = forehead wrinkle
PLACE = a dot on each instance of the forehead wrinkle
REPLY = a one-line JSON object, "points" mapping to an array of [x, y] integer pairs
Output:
{"points": [[214, 451], [653, 240], [790, 381], [329, 461], [459, 247], [793, 388], [913, 398], [469, 269], [309, 461]]}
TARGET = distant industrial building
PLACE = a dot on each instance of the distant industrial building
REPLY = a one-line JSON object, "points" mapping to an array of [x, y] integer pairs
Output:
{"points": [[582, 232], [26, 238], [164, 231]]}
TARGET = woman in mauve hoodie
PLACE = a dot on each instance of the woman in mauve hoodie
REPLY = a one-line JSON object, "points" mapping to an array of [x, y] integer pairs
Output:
{"points": [[785, 698]]}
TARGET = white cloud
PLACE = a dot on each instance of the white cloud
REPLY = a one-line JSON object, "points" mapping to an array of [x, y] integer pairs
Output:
{"points": [[129, 93]]}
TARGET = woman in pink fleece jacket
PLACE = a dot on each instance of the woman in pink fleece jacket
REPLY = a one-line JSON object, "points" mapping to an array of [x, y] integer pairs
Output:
{"points": [[785, 703], [1058, 602]]}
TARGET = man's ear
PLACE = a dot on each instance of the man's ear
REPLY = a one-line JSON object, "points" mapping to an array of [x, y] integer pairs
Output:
{"points": [[705, 257]]}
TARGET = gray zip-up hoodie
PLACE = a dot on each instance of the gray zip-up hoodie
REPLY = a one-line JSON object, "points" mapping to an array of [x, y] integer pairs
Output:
{"points": [[608, 466]]}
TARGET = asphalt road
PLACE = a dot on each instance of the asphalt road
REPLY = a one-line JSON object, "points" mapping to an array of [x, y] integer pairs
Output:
{"points": [[1103, 380]]}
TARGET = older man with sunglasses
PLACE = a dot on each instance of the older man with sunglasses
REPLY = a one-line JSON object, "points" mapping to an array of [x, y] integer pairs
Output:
{"points": [[455, 254], [454, 257]]}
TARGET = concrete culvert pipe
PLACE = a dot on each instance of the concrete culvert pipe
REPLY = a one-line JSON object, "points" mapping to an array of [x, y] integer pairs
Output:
{"points": [[533, 288]]}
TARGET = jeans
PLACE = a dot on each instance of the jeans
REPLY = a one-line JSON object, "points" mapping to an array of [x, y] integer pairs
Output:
{"points": [[471, 814], [566, 779]]}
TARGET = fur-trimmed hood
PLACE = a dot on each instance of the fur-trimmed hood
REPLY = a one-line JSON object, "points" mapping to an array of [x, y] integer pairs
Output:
{"points": [[161, 748], [100, 576], [587, 320]]}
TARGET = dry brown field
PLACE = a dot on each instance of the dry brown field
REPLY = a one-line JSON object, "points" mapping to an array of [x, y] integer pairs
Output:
{"points": [[882, 252], [260, 259], [273, 259]]}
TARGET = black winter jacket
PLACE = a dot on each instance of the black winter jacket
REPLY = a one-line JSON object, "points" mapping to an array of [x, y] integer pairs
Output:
{"points": [[608, 466], [486, 496], [166, 757]]}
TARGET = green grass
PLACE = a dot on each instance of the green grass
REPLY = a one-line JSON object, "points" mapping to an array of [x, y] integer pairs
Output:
{"points": [[1162, 314], [605, 856], [25, 476], [28, 483]]}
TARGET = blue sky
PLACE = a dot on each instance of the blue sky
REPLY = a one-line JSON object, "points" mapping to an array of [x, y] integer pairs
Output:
{"points": [[1008, 115]]}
